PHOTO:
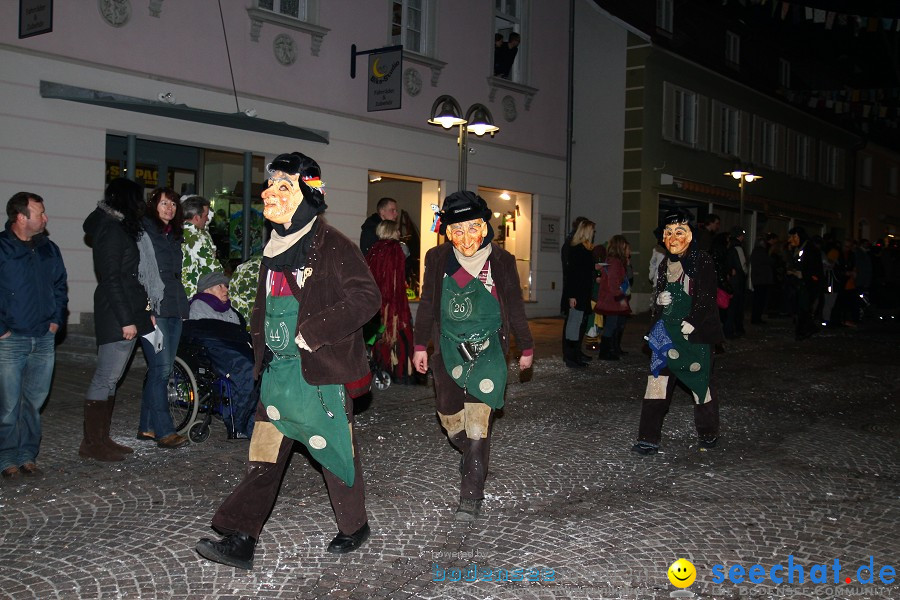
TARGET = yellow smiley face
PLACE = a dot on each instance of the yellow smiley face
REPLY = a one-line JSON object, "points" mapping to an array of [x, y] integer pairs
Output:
{"points": [[681, 573]]}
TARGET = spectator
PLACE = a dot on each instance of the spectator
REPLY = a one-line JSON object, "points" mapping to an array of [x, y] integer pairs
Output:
{"points": [[199, 248], [33, 299], [218, 327], [805, 274], [385, 210], [762, 275], [612, 301], [127, 276], [386, 259], [719, 253], [163, 225], [578, 280], [737, 277], [242, 288], [505, 55], [707, 232]]}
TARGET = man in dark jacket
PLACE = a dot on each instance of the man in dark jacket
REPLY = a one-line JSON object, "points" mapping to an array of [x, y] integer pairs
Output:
{"points": [[385, 210], [471, 299], [315, 293], [685, 328], [806, 275], [33, 299]]}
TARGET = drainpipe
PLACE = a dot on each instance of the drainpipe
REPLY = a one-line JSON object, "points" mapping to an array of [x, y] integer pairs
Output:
{"points": [[569, 110]]}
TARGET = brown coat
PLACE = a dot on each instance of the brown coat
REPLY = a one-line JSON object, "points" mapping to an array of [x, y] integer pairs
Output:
{"points": [[509, 292], [336, 300]]}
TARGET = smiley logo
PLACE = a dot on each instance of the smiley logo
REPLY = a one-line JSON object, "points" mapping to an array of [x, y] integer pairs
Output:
{"points": [[681, 573]]}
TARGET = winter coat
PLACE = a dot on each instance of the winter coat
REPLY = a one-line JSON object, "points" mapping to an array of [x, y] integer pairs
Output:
{"points": [[33, 289], [761, 271], [611, 296], [119, 299], [509, 293], [338, 297], [578, 279], [704, 314], [169, 258], [367, 236]]}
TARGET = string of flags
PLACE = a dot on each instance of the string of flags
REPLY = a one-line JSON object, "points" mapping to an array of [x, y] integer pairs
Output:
{"points": [[798, 12]]}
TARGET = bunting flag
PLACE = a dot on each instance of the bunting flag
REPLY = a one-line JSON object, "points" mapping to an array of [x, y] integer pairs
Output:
{"points": [[827, 18]]}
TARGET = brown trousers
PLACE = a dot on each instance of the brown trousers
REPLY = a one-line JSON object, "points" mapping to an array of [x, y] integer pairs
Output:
{"points": [[653, 412], [468, 423], [249, 505]]}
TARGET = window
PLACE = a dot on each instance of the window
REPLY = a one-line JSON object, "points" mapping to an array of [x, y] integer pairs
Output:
{"points": [[800, 156], [408, 25], [509, 55], [685, 117], [682, 116], [768, 143], [665, 14], [831, 165], [289, 8], [726, 130], [732, 48], [784, 73], [865, 178]]}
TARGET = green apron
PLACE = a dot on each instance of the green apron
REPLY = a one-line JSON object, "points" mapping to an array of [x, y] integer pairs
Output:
{"points": [[471, 314], [689, 362], [313, 415]]}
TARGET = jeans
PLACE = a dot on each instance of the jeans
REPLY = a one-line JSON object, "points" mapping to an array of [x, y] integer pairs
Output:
{"points": [[112, 358], [26, 368], [155, 414]]}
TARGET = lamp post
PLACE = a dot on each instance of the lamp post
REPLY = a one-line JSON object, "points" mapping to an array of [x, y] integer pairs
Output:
{"points": [[742, 177], [446, 112]]}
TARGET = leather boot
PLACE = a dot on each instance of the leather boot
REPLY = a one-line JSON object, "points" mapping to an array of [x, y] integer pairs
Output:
{"points": [[108, 441], [96, 428], [607, 349], [570, 355]]}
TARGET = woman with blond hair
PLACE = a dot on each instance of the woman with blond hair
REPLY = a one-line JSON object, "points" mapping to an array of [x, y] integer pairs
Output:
{"points": [[612, 299], [578, 281]]}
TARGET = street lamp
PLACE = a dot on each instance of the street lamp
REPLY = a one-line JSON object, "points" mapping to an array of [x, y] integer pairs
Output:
{"points": [[742, 177], [447, 113]]}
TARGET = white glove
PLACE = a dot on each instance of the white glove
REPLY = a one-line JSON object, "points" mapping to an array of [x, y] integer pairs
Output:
{"points": [[301, 343], [686, 328], [664, 298]]}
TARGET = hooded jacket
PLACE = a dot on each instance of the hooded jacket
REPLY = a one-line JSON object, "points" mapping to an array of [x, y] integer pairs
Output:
{"points": [[33, 287], [119, 299]]}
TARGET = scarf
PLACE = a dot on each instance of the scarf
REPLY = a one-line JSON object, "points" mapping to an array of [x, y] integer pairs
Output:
{"points": [[213, 302], [288, 251], [471, 264], [687, 260], [148, 272]]}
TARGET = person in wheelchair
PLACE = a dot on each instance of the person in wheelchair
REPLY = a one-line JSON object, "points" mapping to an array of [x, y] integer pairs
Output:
{"points": [[222, 331]]}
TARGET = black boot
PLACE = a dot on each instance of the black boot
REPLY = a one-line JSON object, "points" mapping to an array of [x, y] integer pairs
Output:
{"points": [[235, 550], [607, 349], [617, 342], [570, 355]]}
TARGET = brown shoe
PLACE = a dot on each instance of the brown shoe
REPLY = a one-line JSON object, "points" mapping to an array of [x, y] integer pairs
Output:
{"points": [[173, 440], [11, 473], [146, 436], [30, 469]]}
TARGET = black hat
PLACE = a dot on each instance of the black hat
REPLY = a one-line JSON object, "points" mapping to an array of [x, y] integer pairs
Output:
{"points": [[678, 215], [295, 163], [463, 206]]}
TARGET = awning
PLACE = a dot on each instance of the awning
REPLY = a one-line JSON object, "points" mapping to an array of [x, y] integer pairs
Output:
{"points": [[239, 120]]}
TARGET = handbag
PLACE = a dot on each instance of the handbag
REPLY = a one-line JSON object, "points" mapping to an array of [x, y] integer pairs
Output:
{"points": [[723, 298]]}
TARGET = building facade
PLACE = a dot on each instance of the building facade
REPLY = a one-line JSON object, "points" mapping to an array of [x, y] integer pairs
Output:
{"points": [[199, 100]]}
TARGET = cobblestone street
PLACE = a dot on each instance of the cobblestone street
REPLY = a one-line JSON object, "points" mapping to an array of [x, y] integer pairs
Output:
{"points": [[808, 467]]}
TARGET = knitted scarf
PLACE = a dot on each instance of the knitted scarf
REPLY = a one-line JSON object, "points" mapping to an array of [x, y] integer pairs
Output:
{"points": [[148, 272]]}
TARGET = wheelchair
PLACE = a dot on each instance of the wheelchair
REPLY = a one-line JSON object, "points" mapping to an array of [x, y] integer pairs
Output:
{"points": [[196, 393]]}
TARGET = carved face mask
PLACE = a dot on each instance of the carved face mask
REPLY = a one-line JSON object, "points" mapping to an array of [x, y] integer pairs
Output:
{"points": [[282, 197], [467, 236], [677, 237]]}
